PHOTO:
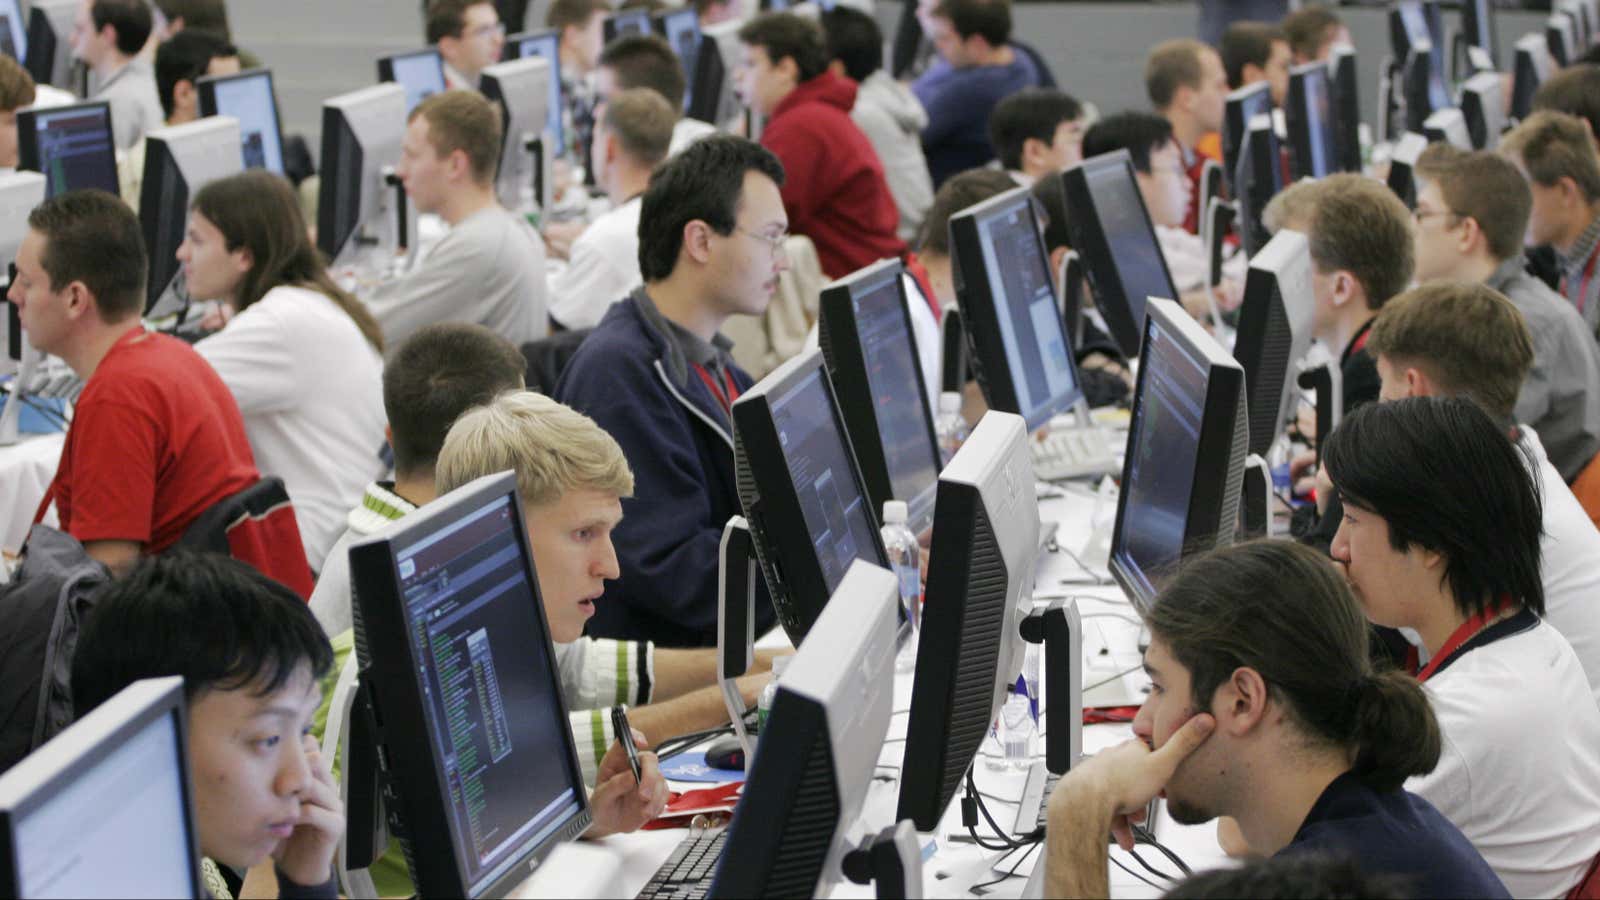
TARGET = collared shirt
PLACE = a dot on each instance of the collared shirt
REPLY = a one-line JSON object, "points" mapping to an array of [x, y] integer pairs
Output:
{"points": [[135, 104], [456, 80], [716, 355], [1584, 292]]}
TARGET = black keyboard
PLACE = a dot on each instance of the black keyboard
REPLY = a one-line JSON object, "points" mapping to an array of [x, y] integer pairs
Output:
{"points": [[687, 873]]}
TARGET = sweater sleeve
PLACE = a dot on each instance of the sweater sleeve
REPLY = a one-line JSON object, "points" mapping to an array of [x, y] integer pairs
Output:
{"points": [[441, 282], [254, 356]]}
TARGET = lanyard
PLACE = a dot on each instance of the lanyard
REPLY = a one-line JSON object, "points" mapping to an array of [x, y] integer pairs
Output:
{"points": [[726, 397], [1465, 632], [1583, 286]]}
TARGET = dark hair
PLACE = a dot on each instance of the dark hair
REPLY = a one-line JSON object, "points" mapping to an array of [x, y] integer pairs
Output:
{"points": [[1589, 57], [785, 34], [93, 237], [257, 210], [703, 183], [564, 14], [855, 40], [1574, 90], [1448, 479], [1139, 133], [1248, 44], [646, 61], [988, 19], [1307, 29], [202, 15], [446, 18], [957, 193], [1050, 195], [16, 85], [1029, 113], [434, 376], [185, 57], [216, 621], [1298, 876], [131, 19], [1285, 611]]}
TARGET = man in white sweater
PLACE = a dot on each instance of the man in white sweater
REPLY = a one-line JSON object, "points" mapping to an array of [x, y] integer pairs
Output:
{"points": [[489, 269]]}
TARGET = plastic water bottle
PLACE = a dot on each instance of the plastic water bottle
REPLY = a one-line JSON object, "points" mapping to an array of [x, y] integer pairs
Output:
{"points": [[950, 426], [905, 557], [770, 692], [1017, 730]]}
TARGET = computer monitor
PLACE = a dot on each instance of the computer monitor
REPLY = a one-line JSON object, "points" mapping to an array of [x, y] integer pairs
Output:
{"points": [[179, 160], [980, 587], [1344, 90], [20, 192], [1111, 230], [865, 333], [49, 40], [681, 29], [714, 100], [1422, 88], [1531, 65], [1477, 27], [1582, 30], [72, 146], [1260, 178], [1309, 113], [1021, 354], [797, 814], [420, 72], [1240, 107], [1187, 442], [1412, 22], [1275, 324], [1560, 34], [14, 31], [1483, 106], [452, 641], [105, 808], [1448, 126], [361, 135], [248, 97], [545, 45], [801, 490], [625, 22], [1402, 167], [521, 88]]}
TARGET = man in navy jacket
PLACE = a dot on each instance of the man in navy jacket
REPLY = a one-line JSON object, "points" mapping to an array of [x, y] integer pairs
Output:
{"points": [[657, 376]]}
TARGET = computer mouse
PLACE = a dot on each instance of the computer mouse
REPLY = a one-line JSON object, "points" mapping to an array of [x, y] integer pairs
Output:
{"points": [[726, 753]]}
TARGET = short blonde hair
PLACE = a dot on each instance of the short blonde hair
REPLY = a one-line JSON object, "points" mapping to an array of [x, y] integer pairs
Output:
{"points": [[552, 448], [1290, 208]]}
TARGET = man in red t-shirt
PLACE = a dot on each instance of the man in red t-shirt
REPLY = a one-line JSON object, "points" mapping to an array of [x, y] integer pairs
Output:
{"points": [[156, 437], [1188, 86]]}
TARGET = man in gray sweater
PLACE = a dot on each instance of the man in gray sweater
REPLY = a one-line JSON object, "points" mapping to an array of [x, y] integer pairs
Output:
{"points": [[489, 269]]}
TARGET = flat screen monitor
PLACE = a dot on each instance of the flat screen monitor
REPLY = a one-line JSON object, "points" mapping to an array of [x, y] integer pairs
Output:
{"points": [[1483, 106], [20, 192], [1187, 442], [1477, 27], [420, 72], [248, 97], [714, 100], [801, 490], [1344, 89], [521, 88], [681, 29], [1561, 36], [866, 337], [105, 808], [1309, 114], [1414, 21], [818, 752], [72, 146], [625, 22], [1260, 178], [1402, 167], [14, 31], [1531, 65], [980, 587], [452, 641], [1275, 323], [361, 135], [1112, 233], [1448, 126], [1582, 29], [49, 40], [545, 45], [179, 160], [1241, 106], [1422, 87]]}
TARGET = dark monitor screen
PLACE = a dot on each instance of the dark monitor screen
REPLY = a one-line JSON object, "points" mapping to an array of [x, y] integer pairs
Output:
{"points": [[421, 73], [249, 98], [1527, 73], [547, 46], [681, 28], [1477, 26], [1242, 105], [72, 146], [625, 22], [1310, 122], [1130, 268], [14, 31], [1410, 23]]}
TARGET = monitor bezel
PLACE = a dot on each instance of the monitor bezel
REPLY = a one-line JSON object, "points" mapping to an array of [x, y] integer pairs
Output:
{"points": [[1298, 115], [609, 28], [207, 86], [1238, 110], [514, 50], [28, 136]]}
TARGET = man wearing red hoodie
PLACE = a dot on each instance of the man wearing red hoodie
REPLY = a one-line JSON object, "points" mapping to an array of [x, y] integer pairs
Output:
{"points": [[835, 192]]}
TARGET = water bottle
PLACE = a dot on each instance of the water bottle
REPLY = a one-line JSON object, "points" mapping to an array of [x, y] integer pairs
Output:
{"points": [[1017, 730], [905, 558], [770, 692], [950, 426]]}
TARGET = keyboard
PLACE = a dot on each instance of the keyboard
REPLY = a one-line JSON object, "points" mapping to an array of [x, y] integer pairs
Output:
{"points": [[687, 873], [1074, 453], [1033, 808]]}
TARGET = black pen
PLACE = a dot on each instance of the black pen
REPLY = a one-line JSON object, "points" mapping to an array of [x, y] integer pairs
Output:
{"points": [[619, 724]]}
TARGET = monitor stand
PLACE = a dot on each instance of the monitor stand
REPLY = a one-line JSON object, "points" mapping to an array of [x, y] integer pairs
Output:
{"points": [[1327, 381], [11, 413], [890, 860], [736, 622], [1060, 629], [1257, 498]]}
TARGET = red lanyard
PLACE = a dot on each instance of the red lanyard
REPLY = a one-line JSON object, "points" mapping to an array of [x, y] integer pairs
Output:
{"points": [[1583, 286], [1465, 632], [726, 397]]}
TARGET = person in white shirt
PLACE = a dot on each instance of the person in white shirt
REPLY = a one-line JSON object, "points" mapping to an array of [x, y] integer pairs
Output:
{"points": [[489, 269], [301, 357], [631, 133], [1454, 339], [469, 36], [107, 36], [1440, 535]]}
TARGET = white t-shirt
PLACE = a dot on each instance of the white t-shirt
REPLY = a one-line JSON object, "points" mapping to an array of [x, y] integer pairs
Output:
{"points": [[311, 391], [1571, 565], [1519, 772], [602, 268]]}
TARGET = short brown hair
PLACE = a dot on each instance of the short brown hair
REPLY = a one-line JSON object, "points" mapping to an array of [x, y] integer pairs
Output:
{"points": [[641, 120], [564, 14], [957, 193], [1359, 226], [93, 237], [16, 85], [446, 18], [1248, 44], [1554, 145], [1488, 189], [1307, 28], [1574, 90], [786, 34], [645, 61], [465, 121], [1171, 65], [988, 19], [1468, 338]]}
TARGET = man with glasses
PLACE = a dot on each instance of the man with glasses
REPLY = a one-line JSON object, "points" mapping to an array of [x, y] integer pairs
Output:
{"points": [[469, 36], [656, 374]]}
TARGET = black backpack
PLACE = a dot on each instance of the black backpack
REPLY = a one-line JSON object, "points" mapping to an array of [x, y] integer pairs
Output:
{"points": [[41, 610]]}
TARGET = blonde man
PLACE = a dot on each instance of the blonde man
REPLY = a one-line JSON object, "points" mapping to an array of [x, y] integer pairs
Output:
{"points": [[572, 477]]}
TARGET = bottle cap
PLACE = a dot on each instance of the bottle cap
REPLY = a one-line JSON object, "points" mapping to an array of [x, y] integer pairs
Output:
{"points": [[895, 512], [949, 402]]}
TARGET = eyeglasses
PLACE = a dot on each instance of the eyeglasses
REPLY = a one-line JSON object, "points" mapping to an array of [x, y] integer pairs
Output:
{"points": [[498, 29], [1421, 215], [773, 242]]}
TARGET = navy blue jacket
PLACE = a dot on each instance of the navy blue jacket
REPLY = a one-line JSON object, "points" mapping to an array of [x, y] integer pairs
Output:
{"points": [[679, 443]]}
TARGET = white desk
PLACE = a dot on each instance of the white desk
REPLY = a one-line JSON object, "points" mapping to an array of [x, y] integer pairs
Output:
{"points": [[26, 468]]}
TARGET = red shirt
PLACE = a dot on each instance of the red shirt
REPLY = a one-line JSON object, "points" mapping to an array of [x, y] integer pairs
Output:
{"points": [[156, 439]]}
